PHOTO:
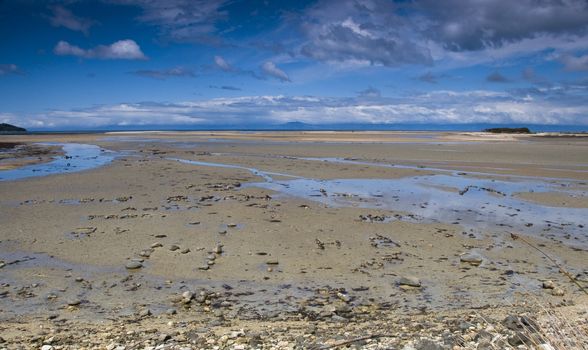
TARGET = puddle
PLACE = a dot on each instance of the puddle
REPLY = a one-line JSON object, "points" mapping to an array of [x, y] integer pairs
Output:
{"points": [[487, 205], [78, 157]]}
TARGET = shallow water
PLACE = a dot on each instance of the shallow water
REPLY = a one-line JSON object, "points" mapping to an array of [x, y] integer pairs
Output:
{"points": [[479, 205], [78, 157]]}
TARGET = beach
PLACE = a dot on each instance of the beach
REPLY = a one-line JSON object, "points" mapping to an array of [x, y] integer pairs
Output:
{"points": [[238, 240]]}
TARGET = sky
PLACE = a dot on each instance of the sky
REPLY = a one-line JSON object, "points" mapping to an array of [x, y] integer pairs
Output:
{"points": [[100, 64]]}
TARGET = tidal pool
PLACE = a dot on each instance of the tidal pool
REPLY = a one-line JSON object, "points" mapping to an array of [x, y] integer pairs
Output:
{"points": [[479, 205], [78, 157]]}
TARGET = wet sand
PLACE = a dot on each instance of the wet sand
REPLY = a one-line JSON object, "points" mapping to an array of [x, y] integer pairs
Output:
{"points": [[293, 237]]}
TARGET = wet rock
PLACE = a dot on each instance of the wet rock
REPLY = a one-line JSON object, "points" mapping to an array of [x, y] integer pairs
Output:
{"points": [[409, 281], [133, 265]]}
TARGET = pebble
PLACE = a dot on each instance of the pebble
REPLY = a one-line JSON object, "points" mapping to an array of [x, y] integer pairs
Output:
{"points": [[410, 281], [272, 262], [145, 313], [156, 245], [218, 249], [548, 284], [472, 259], [174, 247], [131, 265], [185, 251], [203, 267], [74, 302], [558, 292]]}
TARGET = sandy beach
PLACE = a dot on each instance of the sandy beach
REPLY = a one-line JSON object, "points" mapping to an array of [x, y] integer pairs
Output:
{"points": [[283, 240]]}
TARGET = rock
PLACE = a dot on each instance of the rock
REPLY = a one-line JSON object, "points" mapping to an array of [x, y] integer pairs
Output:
{"points": [[132, 265], [232, 225], [185, 251], [427, 344], [74, 302], [545, 347], [188, 295], [171, 311], [163, 337], [145, 313], [410, 281], [346, 298], [47, 347], [558, 292], [156, 245], [472, 259], [203, 267], [522, 323], [272, 262], [218, 249], [548, 284], [174, 247]]}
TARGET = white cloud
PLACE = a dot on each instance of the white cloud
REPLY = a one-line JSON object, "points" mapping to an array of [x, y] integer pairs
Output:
{"points": [[574, 63], [182, 20], [563, 105], [272, 70], [63, 17], [123, 49], [222, 64]]}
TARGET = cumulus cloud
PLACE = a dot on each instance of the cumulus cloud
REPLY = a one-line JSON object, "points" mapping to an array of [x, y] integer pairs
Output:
{"points": [[165, 73], [270, 69], [476, 25], [574, 63], [63, 17], [7, 69], [123, 49], [563, 105], [496, 77], [370, 31], [192, 21], [392, 33]]}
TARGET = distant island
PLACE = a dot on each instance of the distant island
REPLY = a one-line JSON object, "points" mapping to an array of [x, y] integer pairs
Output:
{"points": [[508, 130], [11, 129]]}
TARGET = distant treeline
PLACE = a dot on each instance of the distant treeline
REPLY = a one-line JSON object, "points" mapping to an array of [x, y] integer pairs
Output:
{"points": [[508, 130]]}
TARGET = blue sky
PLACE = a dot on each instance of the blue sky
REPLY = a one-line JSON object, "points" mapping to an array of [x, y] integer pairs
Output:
{"points": [[117, 63]]}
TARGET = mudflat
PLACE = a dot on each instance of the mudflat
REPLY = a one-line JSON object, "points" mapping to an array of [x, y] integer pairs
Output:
{"points": [[292, 240]]}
